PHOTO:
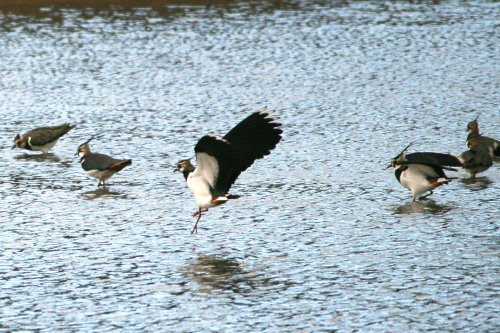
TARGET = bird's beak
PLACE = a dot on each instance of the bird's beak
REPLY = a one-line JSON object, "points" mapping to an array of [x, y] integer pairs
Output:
{"points": [[175, 170], [76, 154], [390, 165], [14, 146]]}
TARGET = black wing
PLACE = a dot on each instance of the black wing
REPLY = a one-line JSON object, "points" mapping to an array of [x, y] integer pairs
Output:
{"points": [[226, 158], [253, 138], [433, 159]]}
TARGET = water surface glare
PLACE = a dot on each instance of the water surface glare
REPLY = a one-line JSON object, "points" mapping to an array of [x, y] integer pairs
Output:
{"points": [[323, 239]]}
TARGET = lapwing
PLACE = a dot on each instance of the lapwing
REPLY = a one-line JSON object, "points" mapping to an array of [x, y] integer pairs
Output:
{"points": [[422, 172], [481, 142], [99, 166], [477, 159], [41, 138], [220, 161]]}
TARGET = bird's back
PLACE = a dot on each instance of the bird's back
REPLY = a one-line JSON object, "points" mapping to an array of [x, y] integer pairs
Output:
{"points": [[43, 135]]}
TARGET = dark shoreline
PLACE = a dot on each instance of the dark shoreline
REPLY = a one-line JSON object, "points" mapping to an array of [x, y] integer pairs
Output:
{"points": [[35, 4], [90, 3]]}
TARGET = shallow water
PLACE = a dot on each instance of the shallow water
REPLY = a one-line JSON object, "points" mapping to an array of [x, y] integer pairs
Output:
{"points": [[322, 239]]}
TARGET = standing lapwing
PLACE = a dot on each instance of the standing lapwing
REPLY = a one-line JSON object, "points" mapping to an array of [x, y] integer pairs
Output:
{"points": [[482, 150], [41, 138], [423, 171], [220, 161], [99, 166], [481, 142]]}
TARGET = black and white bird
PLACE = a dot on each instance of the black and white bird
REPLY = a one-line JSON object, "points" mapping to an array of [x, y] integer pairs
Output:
{"points": [[220, 161], [422, 172], [99, 166], [41, 138]]}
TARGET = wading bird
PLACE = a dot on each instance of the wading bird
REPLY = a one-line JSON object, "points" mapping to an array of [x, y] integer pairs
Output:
{"points": [[482, 150], [422, 172], [99, 166], [41, 138]]}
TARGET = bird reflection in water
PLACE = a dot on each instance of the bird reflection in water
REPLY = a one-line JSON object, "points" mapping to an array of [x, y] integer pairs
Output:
{"points": [[477, 184], [213, 273], [422, 207], [38, 157], [102, 192]]}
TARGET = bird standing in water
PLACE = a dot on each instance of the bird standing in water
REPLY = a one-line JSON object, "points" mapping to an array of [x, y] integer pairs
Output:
{"points": [[423, 171], [482, 150], [99, 166], [220, 161], [41, 138]]}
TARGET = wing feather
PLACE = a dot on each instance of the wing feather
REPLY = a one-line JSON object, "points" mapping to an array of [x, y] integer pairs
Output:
{"points": [[251, 139], [216, 162], [431, 158]]}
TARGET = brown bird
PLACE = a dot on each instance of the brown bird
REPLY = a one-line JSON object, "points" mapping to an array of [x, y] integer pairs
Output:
{"points": [[482, 150], [41, 138], [489, 144]]}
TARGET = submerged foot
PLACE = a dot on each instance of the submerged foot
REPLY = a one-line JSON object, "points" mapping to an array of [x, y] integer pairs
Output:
{"points": [[424, 197]]}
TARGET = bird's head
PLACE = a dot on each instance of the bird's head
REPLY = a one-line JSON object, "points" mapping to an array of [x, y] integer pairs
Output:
{"points": [[473, 126], [84, 148], [19, 142], [399, 159], [185, 166]]}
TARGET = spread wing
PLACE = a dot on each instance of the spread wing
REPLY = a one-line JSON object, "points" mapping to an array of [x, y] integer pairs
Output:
{"points": [[222, 160], [254, 137]]}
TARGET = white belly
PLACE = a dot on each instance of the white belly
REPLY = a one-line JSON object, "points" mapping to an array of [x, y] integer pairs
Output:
{"points": [[101, 175], [45, 148], [201, 190], [415, 179]]}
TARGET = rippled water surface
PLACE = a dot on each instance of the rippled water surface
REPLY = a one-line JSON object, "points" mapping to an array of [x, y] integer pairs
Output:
{"points": [[322, 238]]}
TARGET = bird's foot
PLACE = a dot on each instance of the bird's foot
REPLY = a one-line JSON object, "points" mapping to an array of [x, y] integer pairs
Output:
{"points": [[424, 197]]}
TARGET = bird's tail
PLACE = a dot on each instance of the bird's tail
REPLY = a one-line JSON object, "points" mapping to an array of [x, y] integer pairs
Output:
{"points": [[440, 181], [120, 165]]}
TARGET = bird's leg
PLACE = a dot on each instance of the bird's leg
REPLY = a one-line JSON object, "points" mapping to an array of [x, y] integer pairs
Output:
{"points": [[425, 196], [199, 213], [99, 184], [103, 183]]}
